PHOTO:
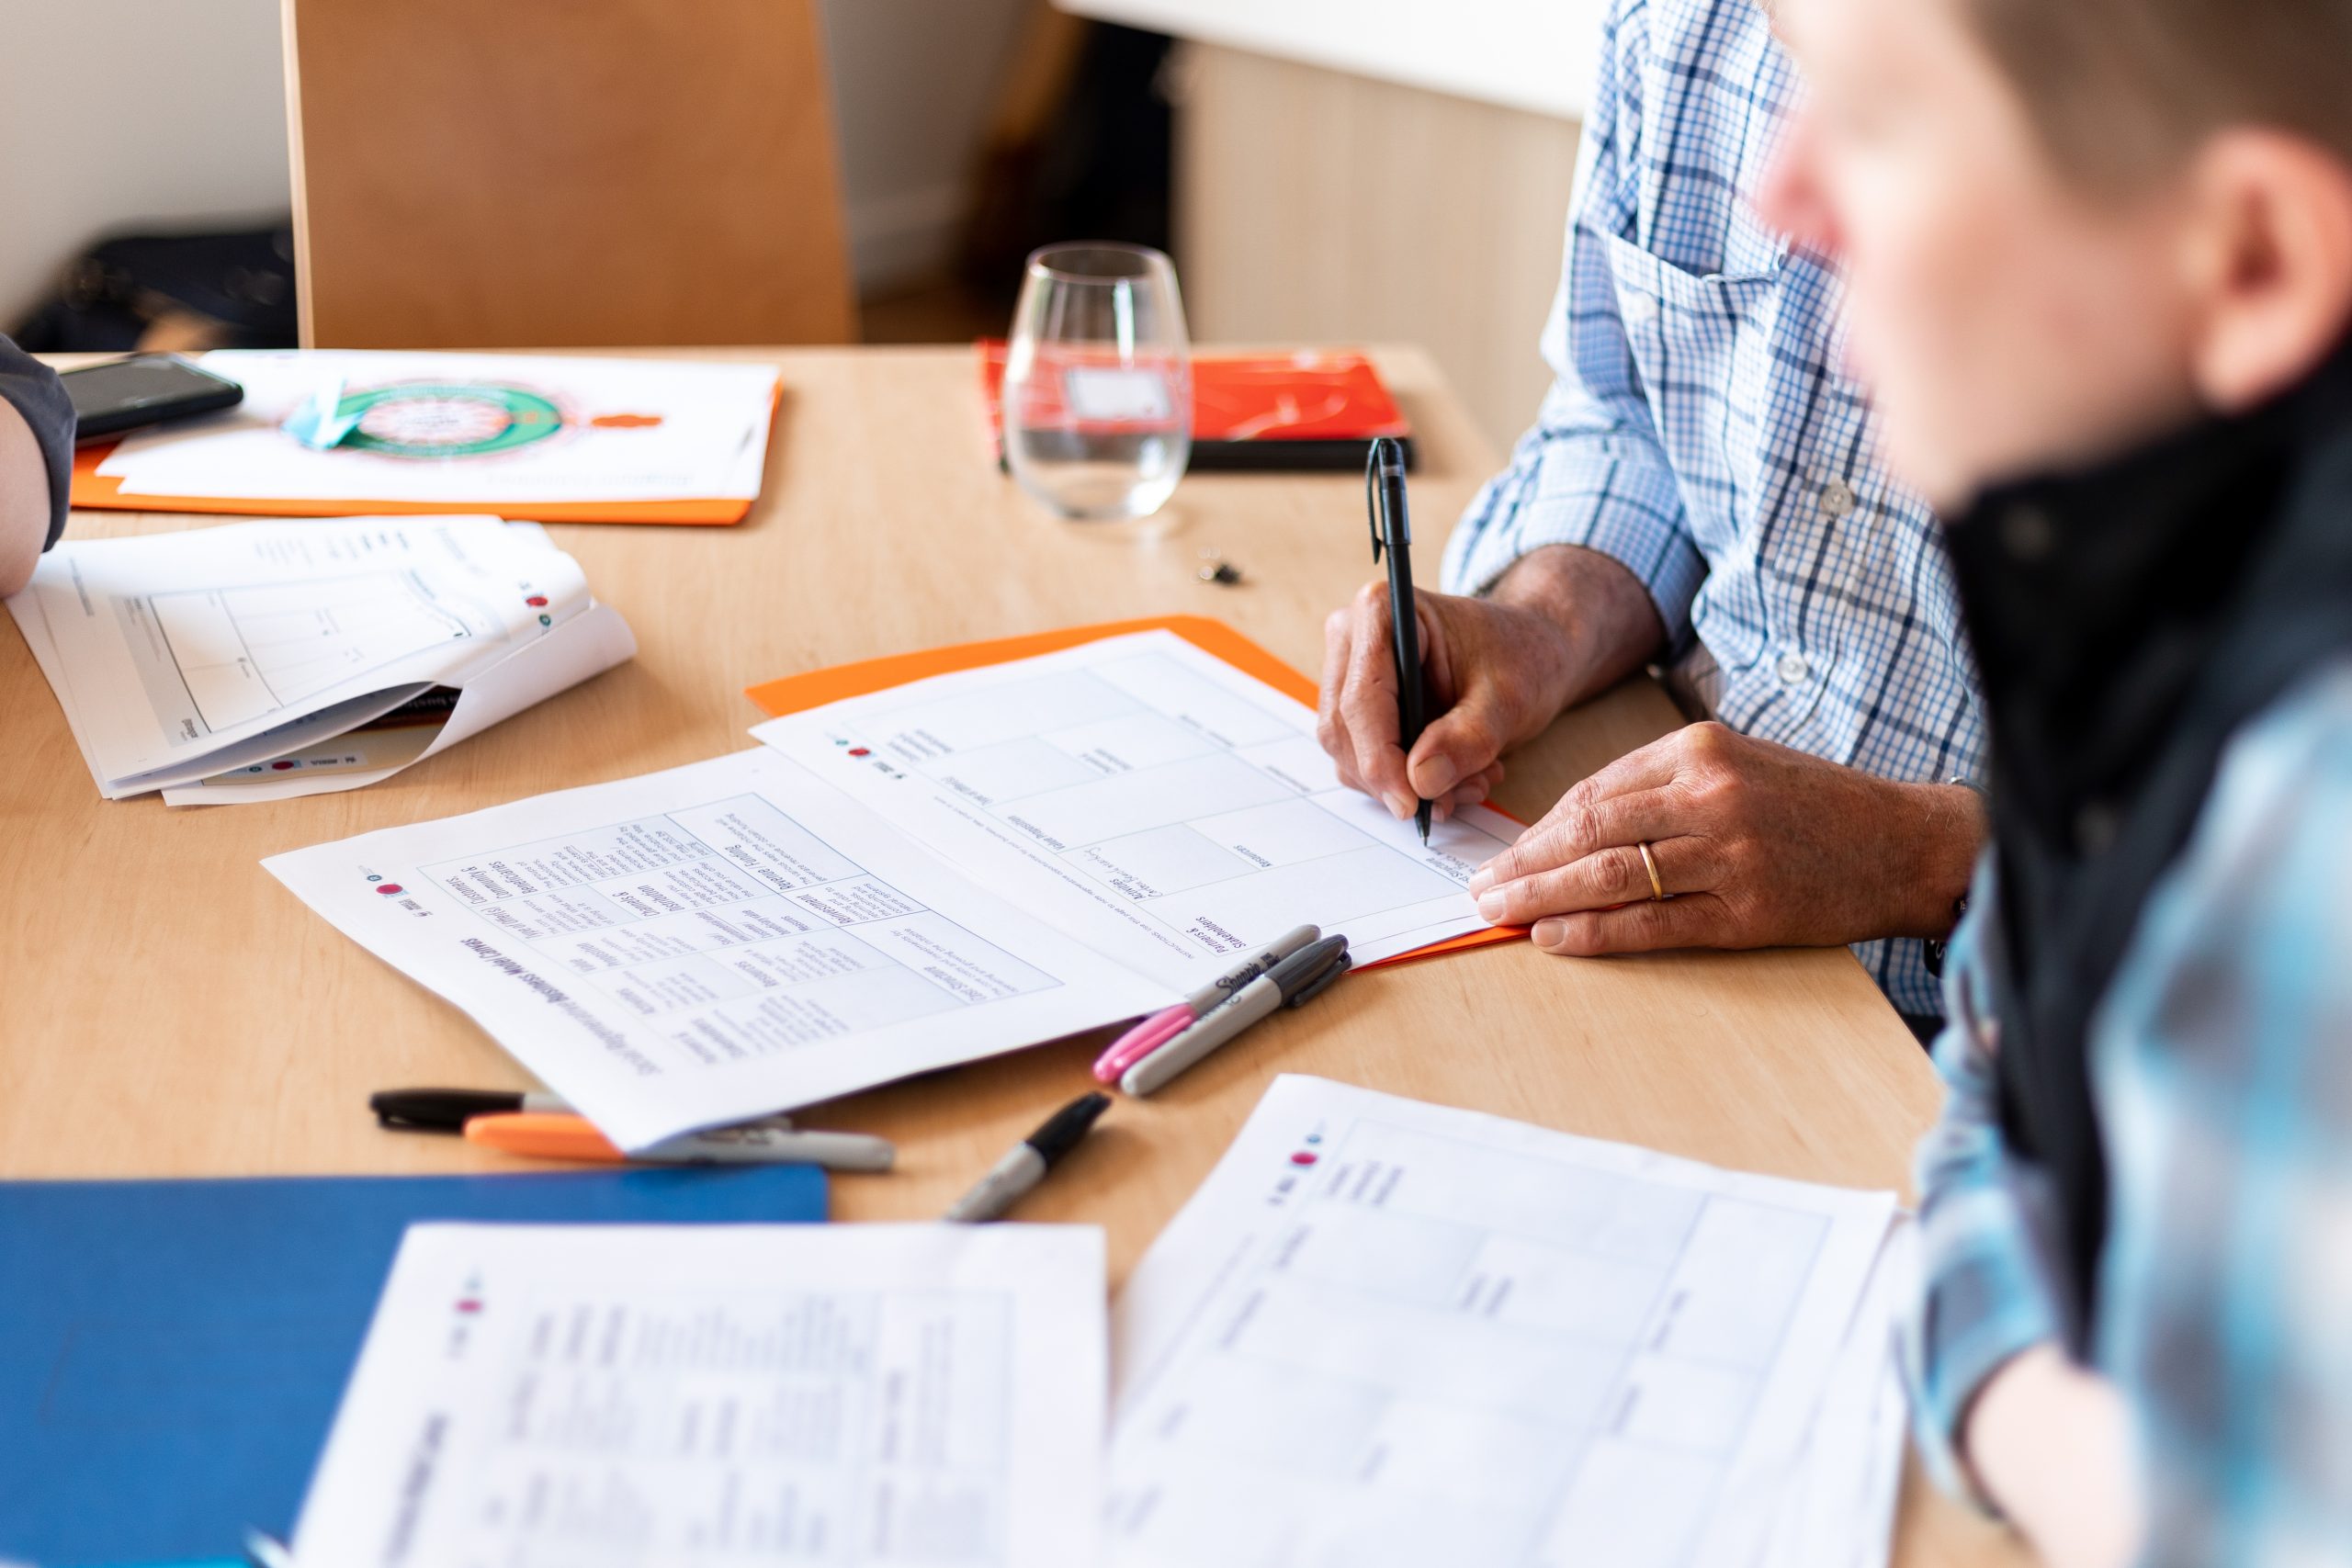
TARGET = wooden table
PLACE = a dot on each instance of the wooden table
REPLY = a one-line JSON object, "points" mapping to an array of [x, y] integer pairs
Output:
{"points": [[172, 1011]]}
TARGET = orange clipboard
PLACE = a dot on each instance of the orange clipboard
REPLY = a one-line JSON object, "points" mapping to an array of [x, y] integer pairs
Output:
{"points": [[104, 493], [798, 694]]}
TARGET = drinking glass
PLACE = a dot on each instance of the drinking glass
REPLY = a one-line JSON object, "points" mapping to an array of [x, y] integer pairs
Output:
{"points": [[1098, 382]]}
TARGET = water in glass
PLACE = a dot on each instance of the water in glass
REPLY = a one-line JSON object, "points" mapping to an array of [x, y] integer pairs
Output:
{"points": [[1098, 382]]}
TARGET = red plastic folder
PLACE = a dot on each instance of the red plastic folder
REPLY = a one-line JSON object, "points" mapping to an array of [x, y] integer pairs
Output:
{"points": [[1311, 409]]}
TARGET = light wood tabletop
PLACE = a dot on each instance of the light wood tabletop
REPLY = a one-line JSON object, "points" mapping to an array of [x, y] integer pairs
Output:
{"points": [[170, 1010]]}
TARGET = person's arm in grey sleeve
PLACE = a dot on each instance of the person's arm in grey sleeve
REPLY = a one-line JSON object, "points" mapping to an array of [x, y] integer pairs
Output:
{"points": [[36, 463]]}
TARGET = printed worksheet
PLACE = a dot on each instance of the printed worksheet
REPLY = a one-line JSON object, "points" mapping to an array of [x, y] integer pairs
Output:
{"points": [[709, 943], [597, 1396], [180, 655], [1839, 1513], [1391, 1332], [1150, 799], [465, 429]]}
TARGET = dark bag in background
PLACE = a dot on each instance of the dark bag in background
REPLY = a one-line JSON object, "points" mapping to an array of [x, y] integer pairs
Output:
{"points": [[172, 293]]}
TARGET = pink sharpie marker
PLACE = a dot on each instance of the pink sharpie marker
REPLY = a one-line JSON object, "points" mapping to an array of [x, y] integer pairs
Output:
{"points": [[1166, 1024]]}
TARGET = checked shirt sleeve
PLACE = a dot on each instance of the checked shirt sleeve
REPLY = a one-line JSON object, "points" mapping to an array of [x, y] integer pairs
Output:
{"points": [[1592, 471], [1985, 1296], [2225, 1093]]}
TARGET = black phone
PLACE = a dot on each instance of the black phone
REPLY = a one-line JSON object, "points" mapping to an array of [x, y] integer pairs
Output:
{"points": [[147, 389]]}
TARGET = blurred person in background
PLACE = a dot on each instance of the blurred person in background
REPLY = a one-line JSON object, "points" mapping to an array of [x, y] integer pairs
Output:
{"points": [[2098, 264]]}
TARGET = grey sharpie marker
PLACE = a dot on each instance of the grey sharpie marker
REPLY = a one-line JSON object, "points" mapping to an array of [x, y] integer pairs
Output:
{"points": [[1292, 983], [1030, 1159]]}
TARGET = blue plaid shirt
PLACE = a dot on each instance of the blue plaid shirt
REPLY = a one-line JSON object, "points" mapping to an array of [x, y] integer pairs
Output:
{"points": [[1698, 433], [2222, 1069]]}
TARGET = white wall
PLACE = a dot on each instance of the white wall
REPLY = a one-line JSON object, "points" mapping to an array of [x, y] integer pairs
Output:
{"points": [[1535, 55], [116, 112], [119, 113]]}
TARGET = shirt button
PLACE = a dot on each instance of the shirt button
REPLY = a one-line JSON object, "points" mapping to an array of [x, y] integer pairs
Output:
{"points": [[1837, 500], [1794, 669]]}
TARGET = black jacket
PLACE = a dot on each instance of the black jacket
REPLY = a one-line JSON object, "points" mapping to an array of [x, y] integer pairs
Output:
{"points": [[2128, 621]]}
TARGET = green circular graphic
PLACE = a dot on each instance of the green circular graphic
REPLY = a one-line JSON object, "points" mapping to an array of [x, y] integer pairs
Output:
{"points": [[467, 420]]}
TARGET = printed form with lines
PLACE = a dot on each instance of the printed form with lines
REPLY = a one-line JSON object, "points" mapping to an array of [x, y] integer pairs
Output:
{"points": [[956, 867], [186, 657], [1390, 1333], [1150, 797]]}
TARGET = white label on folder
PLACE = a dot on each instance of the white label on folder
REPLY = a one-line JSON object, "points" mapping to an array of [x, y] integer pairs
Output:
{"points": [[1106, 393]]}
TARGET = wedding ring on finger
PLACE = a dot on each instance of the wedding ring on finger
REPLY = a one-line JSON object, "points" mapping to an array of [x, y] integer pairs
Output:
{"points": [[1649, 863]]}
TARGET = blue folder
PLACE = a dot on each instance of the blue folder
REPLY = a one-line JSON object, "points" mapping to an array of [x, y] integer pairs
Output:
{"points": [[171, 1352]]}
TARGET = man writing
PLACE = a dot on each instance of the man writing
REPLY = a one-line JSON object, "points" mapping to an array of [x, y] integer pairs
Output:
{"points": [[1700, 492]]}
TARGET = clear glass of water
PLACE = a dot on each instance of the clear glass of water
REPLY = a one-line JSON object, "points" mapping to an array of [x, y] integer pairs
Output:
{"points": [[1098, 382]]}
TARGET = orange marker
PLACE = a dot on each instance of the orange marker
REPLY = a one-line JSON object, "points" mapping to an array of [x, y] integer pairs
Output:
{"points": [[545, 1134]]}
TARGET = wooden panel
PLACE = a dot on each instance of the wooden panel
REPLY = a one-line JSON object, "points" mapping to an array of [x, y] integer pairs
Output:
{"points": [[173, 1011], [1327, 207], [563, 173]]}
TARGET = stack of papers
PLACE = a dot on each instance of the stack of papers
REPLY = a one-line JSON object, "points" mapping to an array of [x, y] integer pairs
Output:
{"points": [[1382, 1334], [171, 1352], [264, 661], [595, 1397], [931, 874], [1389, 1333], [549, 436]]}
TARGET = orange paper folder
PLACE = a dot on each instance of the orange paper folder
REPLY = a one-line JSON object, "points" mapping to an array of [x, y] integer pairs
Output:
{"points": [[797, 693], [104, 493], [1314, 409]]}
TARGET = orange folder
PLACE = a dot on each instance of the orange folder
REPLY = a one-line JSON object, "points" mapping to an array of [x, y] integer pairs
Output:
{"points": [[104, 492], [797, 693]]}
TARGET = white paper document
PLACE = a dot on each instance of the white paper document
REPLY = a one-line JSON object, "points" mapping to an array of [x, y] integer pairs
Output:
{"points": [[1839, 1510], [709, 943], [1150, 799], [590, 1396], [467, 429], [956, 869], [1390, 1333], [267, 655]]}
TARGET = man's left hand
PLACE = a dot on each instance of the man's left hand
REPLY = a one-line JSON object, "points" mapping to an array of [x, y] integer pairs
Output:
{"points": [[1757, 845]]}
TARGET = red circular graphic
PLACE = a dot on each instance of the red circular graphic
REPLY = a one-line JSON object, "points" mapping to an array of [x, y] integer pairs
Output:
{"points": [[389, 887], [536, 601], [281, 764], [860, 752], [1301, 1157]]}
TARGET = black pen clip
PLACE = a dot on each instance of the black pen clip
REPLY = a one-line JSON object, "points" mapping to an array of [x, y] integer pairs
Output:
{"points": [[1382, 455], [1339, 965]]}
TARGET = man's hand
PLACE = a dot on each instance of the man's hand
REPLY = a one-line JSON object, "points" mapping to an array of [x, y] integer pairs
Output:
{"points": [[1563, 624], [1757, 845], [2050, 1445]]}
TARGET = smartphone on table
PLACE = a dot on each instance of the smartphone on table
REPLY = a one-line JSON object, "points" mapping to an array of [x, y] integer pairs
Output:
{"points": [[146, 389]]}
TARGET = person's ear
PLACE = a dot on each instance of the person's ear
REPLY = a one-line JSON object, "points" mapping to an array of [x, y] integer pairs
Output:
{"points": [[2269, 263]]}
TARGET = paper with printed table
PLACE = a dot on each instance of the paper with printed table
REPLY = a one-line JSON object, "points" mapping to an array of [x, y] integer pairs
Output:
{"points": [[596, 1397], [264, 661], [926, 874]]}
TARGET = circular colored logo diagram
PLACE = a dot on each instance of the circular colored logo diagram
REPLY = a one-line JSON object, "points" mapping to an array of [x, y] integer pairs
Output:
{"points": [[433, 421]]}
